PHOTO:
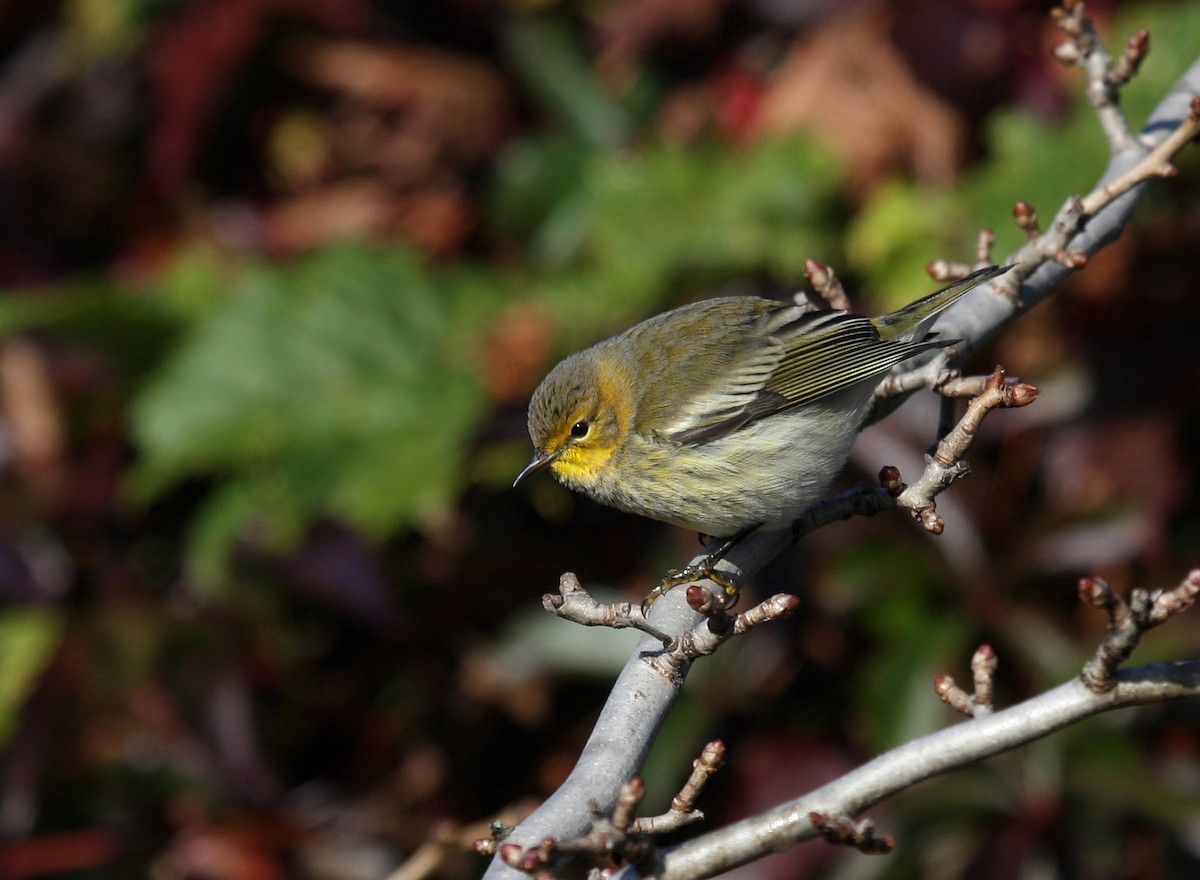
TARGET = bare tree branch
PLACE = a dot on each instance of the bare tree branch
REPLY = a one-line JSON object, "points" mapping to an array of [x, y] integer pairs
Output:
{"points": [[949, 749], [650, 681]]}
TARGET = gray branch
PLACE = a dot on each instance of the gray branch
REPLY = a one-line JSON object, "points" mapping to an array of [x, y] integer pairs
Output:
{"points": [[647, 688], [920, 759]]}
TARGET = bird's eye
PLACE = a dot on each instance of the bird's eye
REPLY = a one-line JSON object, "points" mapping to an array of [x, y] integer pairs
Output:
{"points": [[579, 430]]}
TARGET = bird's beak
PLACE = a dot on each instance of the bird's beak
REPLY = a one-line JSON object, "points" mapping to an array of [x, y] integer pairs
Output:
{"points": [[540, 461]]}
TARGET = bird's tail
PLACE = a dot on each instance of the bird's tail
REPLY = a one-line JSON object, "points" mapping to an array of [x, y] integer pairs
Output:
{"points": [[910, 322]]}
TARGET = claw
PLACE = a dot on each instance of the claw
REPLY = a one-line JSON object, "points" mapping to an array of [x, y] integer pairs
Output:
{"points": [[704, 570]]}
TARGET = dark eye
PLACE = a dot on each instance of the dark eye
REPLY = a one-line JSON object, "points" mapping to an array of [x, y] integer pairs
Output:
{"points": [[579, 430]]}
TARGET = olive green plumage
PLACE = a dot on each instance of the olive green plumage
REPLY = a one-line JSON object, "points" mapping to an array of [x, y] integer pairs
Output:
{"points": [[726, 413]]}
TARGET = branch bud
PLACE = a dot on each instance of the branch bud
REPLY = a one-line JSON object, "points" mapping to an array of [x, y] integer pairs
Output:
{"points": [[511, 853], [1022, 394], [890, 479], [985, 655], [1068, 53], [699, 599], [536, 857], [1095, 591], [628, 800], [932, 523], [1026, 217], [713, 755]]}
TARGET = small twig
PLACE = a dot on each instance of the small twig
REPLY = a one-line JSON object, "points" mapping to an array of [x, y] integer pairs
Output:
{"points": [[620, 836], [1086, 50], [609, 838], [983, 671], [630, 798], [683, 806], [952, 695], [946, 464], [1135, 51], [1025, 216], [845, 831], [1156, 163], [718, 626], [945, 270], [1128, 621], [826, 284], [983, 248], [958, 386], [573, 602], [895, 385], [712, 759]]}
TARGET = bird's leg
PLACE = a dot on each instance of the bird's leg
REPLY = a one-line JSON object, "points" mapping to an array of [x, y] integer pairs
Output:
{"points": [[705, 569]]}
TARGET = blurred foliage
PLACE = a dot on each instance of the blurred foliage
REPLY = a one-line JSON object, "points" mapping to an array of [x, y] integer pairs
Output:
{"points": [[279, 278], [640, 229], [309, 392], [28, 637], [893, 231]]}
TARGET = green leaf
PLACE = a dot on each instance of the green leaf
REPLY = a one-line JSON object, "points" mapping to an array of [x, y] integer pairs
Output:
{"points": [[1030, 157], [558, 73], [132, 330], [28, 638], [666, 223], [325, 388]]}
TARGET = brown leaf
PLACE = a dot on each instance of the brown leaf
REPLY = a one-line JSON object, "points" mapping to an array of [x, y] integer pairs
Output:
{"points": [[850, 86], [515, 353], [351, 209], [33, 418], [461, 100]]}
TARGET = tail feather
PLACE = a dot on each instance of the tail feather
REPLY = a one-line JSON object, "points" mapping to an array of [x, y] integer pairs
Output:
{"points": [[909, 322]]}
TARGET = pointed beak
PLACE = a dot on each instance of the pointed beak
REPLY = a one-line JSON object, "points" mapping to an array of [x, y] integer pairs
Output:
{"points": [[540, 461]]}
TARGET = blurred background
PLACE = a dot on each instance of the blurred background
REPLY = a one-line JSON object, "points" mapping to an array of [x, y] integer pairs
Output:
{"points": [[278, 277]]}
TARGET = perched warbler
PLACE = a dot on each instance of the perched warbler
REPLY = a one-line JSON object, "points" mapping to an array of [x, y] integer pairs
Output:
{"points": [[725, 415]]}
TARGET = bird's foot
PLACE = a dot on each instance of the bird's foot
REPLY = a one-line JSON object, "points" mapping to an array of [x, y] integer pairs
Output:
{"points": [[705, 569]]}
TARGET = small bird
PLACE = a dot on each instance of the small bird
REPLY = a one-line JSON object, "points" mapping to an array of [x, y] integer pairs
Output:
{"points": [[725, 415]]}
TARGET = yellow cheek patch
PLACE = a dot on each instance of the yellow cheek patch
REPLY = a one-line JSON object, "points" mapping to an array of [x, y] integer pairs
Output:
{"points": [[581, 463]]}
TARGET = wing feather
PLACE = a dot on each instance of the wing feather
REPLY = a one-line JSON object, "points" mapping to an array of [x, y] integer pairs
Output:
{"points": [[769, 357], [808, 357]]}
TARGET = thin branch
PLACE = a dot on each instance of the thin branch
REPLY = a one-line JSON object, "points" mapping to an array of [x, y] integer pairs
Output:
{"points": [[826, 284], [950, 749], [620, 836], [1085, 49], [642, 694], [573, 602], [1128, 621], [947, 462], [1156, 163], [859, 834], [983, 671]]}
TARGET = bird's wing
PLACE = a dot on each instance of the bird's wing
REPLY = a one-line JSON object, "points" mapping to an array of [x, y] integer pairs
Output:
{"points": [[829, 351], [787, 358], [707, 365]]}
